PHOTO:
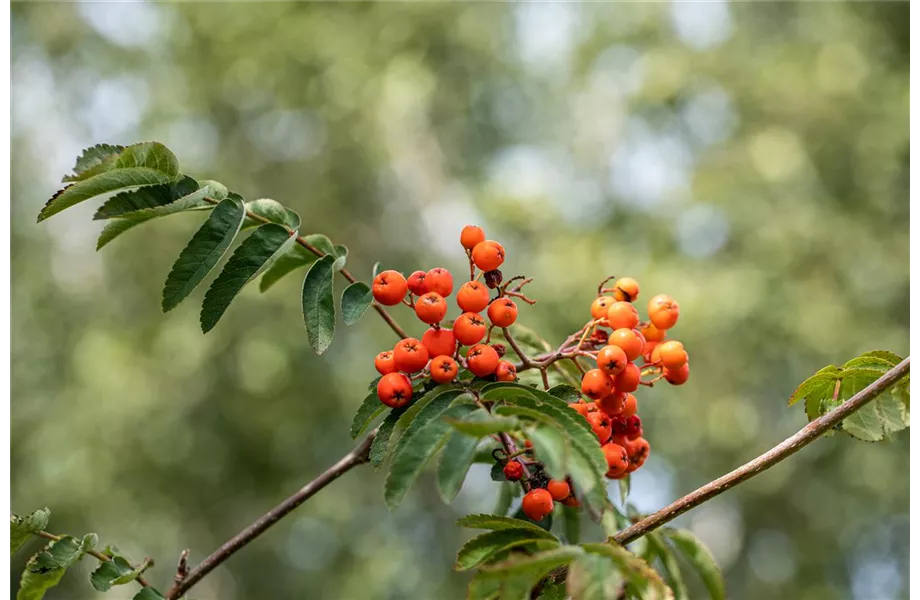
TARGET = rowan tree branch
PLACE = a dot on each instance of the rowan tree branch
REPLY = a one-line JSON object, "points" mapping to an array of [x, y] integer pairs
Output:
{"points": [[358, 456], [778, 453]]}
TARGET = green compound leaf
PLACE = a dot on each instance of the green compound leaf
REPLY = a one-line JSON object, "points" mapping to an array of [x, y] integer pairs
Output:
{"points": [[22, 528], [318, 304], [249, 260], [644, 581], [699, 556], [366, 413], [356, 299], [45, 569], [147, 163], [204, 251], [321, 243], [380, 445], [455, 462], [487, 546]]}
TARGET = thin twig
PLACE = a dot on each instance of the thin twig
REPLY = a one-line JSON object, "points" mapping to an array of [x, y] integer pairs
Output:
{"points": [[784, 450], [358, 456]]}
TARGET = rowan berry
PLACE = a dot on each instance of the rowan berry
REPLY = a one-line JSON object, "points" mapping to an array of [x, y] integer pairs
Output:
{"points": [[473, 296], [389, 288], [649, 351], [626, 289], [440, 280], [612, 404], [617, 459], [622, 315], [537, 503], [488, 255], [513, 470], [600, 336], [618, 426], [559, 490], [672, 353], [499, 348], [633, 427], [571, 501], [580, 407], [506, 371], [600, 424], [652, 333], [503, 312], [630, 406], [443, 369], [469, 328], [611, 360], [663, 311], [384, 363], [591, 406], [655, 356], [596, 384], [410, 355], [394, 390], [600, 306], [678, 376], [431, 308], [482, 360], [471, 235], [638, 453], [628, 379], [629, 341], [416, 283], [439, 341]]}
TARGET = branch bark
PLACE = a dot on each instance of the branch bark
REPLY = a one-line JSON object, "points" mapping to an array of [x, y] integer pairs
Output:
{"points": [[778, 453], [358, 456]]}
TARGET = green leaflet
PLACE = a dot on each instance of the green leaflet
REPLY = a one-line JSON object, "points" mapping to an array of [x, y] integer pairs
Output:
{"points": [[699, 556], [356, 299], [593, 577], [381, 443], [153, 200], [273, 211], [642, 577], [117, 571], [203, 251], [293, 258], [249, 260], [495, 522], [318, 304], [481, 422], [455, 462], [370, 407], [571, 523], [22, 528], [659, 548], [93, 161], [45, 569], [486, 546]]}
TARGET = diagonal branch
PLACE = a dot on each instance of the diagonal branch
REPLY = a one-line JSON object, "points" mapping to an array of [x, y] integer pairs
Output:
{"points": [[358, 456], [778, 453]]}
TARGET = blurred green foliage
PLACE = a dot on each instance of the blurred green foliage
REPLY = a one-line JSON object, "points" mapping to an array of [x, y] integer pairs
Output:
{"points": [[748, 159]]}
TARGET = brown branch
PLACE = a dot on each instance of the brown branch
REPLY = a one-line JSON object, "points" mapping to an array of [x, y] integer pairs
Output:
{"points": [[784, 450], [358, 456], [97, 555]]}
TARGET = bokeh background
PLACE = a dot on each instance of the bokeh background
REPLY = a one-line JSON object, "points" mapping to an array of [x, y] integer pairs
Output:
{"points": [[749, 159]]}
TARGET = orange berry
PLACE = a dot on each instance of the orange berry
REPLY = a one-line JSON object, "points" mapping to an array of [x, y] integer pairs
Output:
{"points": [[389, 288], [471, 235], [580, 407], [612, 404], [663, 311], [440, 280], [591, 407], [629, 407], [638, 451], [444, 369], [622, 315], [394, 390], [488, 255], [439, 342], [599, 307], [596, 384], [537, 504], [600, 424], [656, 354], [649, 351], [503, 312], [384, 363], [629, 341], [410, 355], [416, 283], [617, 459], [611, 360], [626, 289], [469, 328], [672, 353], [652, 333], [559, 490], [473, 296], [513, 470], [482, 360], [678, 376], [571, 501], [506, 371], [430, 308], [628, 379]]}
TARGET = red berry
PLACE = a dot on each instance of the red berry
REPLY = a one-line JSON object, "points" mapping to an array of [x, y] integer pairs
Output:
{"points": [[440, 280], [488, 255], [617, 459], [389, 288], [537, 504], [394, 390], [469, 328], [630, 342], [471, 235], [482, 360], [663, 311], [384, 363], [503, 312], [410, 355], [513, 470], [439, 342], [600, 424], [596, 384], [559, 490], [473, 296], [430, 308], [506, 371], [444, 369], [628, 379], [611, 360], [678, 376], [416, 283], [622, 315]]}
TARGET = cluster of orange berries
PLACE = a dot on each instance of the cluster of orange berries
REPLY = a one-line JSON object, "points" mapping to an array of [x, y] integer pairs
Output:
{"points": [[437, 354], [611, 409], [538, 502]]}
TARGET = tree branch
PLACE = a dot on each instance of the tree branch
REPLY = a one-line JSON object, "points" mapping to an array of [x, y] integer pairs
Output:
{"points": [[358, 456], [784, 450]]}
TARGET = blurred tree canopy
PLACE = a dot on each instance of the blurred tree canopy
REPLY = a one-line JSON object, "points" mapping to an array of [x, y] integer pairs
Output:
{"points": [[749, 159]]}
